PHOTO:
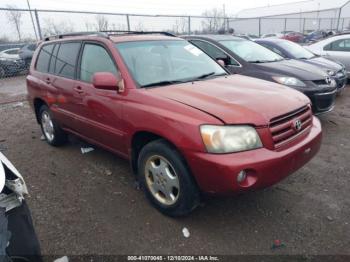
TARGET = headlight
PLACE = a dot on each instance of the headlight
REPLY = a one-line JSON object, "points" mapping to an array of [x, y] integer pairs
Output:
{"points": [[331, 73], [288, 81], [229, 139]]}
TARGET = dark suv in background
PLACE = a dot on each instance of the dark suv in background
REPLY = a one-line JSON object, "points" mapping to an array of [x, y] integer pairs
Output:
{"points": [[245, 57], [290, 50]]}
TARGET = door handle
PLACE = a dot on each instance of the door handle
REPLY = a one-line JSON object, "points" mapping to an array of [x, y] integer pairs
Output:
{"points": [[78, 89], [48, 80]]}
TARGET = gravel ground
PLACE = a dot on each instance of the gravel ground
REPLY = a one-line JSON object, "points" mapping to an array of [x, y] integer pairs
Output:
{"points": [[89, 204]]}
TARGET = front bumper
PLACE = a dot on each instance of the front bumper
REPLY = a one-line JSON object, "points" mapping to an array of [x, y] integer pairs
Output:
{"points": [[218, 173]]}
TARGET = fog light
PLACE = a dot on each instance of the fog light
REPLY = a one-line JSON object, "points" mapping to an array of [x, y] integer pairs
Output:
{"points": [[241, 176]]}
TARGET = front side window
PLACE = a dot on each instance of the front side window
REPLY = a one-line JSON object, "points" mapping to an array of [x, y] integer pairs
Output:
{"points": [[166, 62], [250, 51], [42, 64], [66, 59], [95, 59], [214, 52]]}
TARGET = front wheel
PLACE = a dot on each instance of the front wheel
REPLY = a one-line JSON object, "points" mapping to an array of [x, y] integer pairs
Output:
{"points": [[166, 179], [53, 133]]}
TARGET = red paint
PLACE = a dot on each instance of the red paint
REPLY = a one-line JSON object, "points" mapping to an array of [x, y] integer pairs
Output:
{"points": [[110, 119]]}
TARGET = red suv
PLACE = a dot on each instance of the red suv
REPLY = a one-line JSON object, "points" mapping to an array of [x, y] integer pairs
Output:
{"points": [[185, 125]]}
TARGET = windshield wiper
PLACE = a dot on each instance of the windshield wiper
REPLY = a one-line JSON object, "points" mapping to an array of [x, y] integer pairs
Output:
{"points": [[204, 76], [163, 83]]}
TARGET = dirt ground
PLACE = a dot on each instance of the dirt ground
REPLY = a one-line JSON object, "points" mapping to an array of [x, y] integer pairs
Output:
{"points": [[89, 204]]}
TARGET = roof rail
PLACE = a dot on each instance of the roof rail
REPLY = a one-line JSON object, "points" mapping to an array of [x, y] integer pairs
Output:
{"points": [[60, 36], [122, 32], [106, 34]]}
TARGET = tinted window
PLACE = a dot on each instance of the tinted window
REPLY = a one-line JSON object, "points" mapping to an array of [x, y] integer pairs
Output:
{"points": [[66, 59], [32, 47], [95, 59], [53, 59], [272, 48], [12, 52], [214, 52], [339, 45], [42, 65]]}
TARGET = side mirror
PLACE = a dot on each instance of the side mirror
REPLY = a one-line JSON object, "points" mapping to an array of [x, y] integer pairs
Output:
{"points": [[108, 81]]}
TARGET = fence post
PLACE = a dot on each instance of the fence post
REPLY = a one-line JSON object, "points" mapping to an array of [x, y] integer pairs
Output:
{"points": [[227, 24], [259, 27], [285, 24], [128, 22], [303, 25], [38, 24], [189, 25], [319, 23]]}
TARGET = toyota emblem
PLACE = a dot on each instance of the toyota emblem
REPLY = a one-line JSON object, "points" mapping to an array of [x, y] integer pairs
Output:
{"points": [[328, 80], [297, 125]]}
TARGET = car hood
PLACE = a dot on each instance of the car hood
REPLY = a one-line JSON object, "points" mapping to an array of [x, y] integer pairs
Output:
{"points": [[324, 63], [299, 69], [236, 99]]}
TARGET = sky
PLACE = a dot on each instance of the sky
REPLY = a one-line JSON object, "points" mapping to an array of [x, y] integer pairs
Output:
{"points": [[186, 7]]}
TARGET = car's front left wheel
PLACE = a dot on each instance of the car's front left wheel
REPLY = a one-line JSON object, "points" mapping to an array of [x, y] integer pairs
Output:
{"points": [[166, 179]]}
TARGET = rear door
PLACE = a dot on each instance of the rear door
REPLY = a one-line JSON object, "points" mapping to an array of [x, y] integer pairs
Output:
{"points": [[218, 54], [101, 109], [339, 50], [62, 77]]}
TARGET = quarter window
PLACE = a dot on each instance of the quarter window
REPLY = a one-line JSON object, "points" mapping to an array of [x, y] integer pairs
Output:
{"points": [[66, 59], [95, 59], [215, 52], [42, 64]]}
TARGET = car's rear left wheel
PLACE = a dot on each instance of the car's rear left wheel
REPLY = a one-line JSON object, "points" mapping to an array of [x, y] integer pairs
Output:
{"points": [[52, 132]]}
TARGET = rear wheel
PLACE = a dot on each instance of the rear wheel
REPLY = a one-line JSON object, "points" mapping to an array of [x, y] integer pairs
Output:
{"points": [[54, 135], [2, 72], [166, 180]]}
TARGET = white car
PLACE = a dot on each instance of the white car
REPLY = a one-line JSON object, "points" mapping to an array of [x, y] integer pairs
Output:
{"points": [[336, 48], [10, 54]]}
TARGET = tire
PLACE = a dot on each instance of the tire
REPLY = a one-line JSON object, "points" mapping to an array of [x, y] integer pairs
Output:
{"points": [[2, 72], [182, 200], [52, 132]]}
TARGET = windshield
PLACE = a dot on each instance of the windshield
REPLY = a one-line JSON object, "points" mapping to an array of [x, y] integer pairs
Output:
{"points": [[250, 51], [167, 62], [296, 50]]}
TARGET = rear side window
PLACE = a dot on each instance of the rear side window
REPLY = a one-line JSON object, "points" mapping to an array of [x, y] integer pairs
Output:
{"points": [[339, 45], [66, 59], [214, 52], [95, 59], [42, 64], [53, 59]]}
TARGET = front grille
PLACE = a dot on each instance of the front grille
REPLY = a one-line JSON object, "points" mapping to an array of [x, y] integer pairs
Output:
{"points": [[320, 82], [283, 128]]}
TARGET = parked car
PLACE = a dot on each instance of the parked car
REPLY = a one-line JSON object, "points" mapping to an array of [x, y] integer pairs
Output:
{"points": [[294, 37], [274, 35], [249, 58], [26, 52], [315, 36], [11, 67], [248, 36], [292, 50], [185, 124], [11, 53], [336, 48]]}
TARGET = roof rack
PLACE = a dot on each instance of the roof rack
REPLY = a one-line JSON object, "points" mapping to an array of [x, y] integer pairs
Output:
{"points": [[106, 34], [60, 36], [123, 32]]}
